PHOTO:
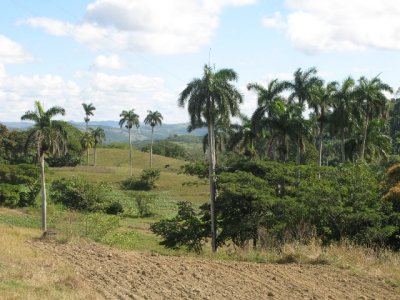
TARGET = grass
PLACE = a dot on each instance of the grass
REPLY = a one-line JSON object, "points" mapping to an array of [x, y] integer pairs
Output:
{"points": [[27, 273]]}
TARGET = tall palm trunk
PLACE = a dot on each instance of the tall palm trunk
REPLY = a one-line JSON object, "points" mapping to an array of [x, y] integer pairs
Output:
{"points": [[342, 145], [130, 153], [151, 148], [94, 155], [364, 138], [212, 178], [87, 156], [87, 125], [44, 201], [298, 154]]}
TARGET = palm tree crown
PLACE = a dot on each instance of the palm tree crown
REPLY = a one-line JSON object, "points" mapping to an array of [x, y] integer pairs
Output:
{"points": [[129, 118], [153, 118], [88, 108]]}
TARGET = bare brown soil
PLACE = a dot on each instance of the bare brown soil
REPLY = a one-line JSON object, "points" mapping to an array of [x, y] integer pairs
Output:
{"points": [[117, 274]]}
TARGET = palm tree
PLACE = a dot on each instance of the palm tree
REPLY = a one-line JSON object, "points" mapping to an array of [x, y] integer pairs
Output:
{"points": [[210, 99], [89, 108], [242, 137], [87, 142], [130, 119], [370, 94], [50, 138], [342, 117], [301, 88], [153, 119], [320, 101], [98, 136]]}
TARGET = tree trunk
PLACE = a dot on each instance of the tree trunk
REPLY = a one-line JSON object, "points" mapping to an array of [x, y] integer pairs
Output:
{"points": [[87, 156], [130, 153], [364, 138], [44, 202], [151, 148], [298, 154], [94, 155], [320, 145], [212, 178], [342, 145]]}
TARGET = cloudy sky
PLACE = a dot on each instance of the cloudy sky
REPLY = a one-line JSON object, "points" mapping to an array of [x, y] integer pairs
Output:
{"points": [[124, 54]]}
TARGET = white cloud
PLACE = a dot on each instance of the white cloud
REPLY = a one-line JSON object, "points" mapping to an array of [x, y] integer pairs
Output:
{"points": [[342, 25], [108, 62], [12, 53], [163, 27], [110, 94], [276, 21]]}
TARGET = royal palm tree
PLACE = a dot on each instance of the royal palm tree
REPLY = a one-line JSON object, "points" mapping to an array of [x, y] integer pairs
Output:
{"points": [[50, 138], [301, 88], [320, 101], [153, 119], [89, 108], [130, 119], [98, 136], [242, 137], [87, 143], [210, 98], [342, 117], [372, 101]]}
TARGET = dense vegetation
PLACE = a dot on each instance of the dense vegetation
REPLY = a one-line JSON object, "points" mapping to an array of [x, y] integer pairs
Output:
{"points": [[276, 176]]}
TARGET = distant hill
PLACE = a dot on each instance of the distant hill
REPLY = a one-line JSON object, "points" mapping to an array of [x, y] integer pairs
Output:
{"points": [[116, 134]]}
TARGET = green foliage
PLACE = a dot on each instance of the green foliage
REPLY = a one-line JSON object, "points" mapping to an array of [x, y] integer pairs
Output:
{"points": [[184, 230], [144, 205], [197, 168], [114, 208], [19, 186], [166, 148], [146, 181], [76, 193]]}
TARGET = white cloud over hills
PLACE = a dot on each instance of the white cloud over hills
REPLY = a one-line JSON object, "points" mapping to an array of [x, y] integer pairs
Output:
{"points": [[161, 27], [342, 25], [12, 52]]}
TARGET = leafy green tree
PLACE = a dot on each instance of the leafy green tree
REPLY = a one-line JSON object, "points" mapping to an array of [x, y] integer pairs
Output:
{"points": [[130, 119], [88, 108], [87, 142], [372, 102], [153, 119], [49, 137], [210, 98], [99, 136]]}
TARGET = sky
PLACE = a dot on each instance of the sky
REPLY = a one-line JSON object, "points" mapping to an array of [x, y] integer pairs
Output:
{"points": [[140, 54]]}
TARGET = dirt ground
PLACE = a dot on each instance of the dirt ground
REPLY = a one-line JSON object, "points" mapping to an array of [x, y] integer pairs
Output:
{"points": [[117, 274]]}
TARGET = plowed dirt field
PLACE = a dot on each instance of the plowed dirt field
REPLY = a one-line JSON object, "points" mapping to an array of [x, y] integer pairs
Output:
{"points": [[117, 274]]}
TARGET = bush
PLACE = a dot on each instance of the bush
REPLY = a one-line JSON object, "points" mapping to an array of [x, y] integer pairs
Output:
{"points": [[147, 181], [20, 184], [114, 208], [186, 229], [166, 148], [79, 194], [143, 205]]}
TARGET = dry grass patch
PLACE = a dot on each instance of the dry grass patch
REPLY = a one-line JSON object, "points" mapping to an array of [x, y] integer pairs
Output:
{"points": [[28, 273]]}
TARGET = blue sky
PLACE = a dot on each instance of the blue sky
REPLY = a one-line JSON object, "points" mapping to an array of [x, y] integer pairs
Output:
{"points": [[124, 54]]}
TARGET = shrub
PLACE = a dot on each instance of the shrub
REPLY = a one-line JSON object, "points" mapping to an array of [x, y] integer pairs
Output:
{"points": [[114, 208], [144, 205], [186, 229], [79, 194], [146, 181], [20, 184]]}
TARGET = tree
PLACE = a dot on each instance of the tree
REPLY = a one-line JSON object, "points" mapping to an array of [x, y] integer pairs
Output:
{"points": [[99, 136], [153, 119], [49, 137], [87, 143], [210, 98], [301, 88], [89, 108], [342, 117], [320, 101], [130, 119], [372, 100]]}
